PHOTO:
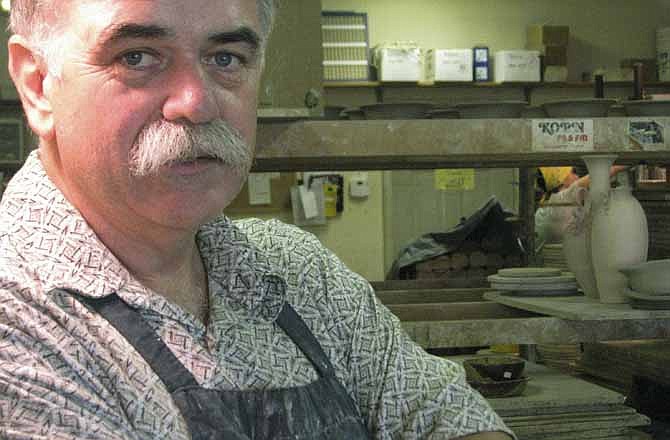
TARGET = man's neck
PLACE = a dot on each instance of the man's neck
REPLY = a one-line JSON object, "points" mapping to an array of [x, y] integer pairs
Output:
{"points": [[172, 267], [164, 259]]}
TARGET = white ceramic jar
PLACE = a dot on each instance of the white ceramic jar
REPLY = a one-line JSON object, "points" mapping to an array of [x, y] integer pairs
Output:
{"points": [[619, 234]]}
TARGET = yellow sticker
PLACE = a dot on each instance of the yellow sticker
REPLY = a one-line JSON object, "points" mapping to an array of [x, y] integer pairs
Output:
{"points": [[455, 179], [330, 199]]}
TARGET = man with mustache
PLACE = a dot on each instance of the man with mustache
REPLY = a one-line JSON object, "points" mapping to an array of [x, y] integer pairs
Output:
{"points": [[129, 307]]}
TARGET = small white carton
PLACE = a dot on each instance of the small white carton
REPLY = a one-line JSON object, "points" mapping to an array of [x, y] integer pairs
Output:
{"points": [[399, 64], [450, 64], [517, 65]]}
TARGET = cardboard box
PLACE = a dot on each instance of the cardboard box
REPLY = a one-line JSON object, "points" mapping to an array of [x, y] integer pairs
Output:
{"points": [[555, 74], [556, 56], [449, 64], [517, 65], [399, 64], [539, 36]]}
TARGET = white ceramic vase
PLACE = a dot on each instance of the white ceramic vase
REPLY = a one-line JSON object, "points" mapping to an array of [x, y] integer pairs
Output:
{"points": [[577, 242], [619, 234]]}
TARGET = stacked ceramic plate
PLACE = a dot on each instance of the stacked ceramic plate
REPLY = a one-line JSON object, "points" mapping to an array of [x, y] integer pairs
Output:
{"points": [[553, 256], [649, 285], [534, 281], [556, 406], [564, 357]]}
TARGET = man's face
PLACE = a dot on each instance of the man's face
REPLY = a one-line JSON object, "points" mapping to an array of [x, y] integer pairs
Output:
{"points": [[138, 74]]}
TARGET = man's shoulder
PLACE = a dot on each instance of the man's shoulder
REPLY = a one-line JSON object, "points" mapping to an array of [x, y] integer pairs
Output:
{"points": [[17, 283], [274, 235]]}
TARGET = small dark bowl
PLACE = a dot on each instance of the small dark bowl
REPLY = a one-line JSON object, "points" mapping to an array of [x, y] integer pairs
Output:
{"points": [[508, 388], [497, 368]]}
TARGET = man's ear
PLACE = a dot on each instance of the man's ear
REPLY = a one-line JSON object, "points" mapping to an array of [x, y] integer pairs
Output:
{"points": [[31, 78]]}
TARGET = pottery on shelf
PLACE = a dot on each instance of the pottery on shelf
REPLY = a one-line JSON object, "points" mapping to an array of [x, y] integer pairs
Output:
{"points": [[399, 110], [619, 234], [651, 277], [491, 109], [578, 108], [648, 107], [577, 241]]}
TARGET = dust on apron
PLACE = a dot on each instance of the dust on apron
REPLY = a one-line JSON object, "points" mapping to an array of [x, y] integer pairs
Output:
{"points": [[320, 410]]}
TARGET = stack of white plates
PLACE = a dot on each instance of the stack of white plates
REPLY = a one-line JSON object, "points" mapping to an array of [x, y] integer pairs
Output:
{"points": [[649, 284], [647, 301], [552, 256], [663, 53], [534, 281]]}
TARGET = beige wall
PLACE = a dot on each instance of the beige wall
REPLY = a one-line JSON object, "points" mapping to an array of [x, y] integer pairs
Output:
{"points": [[356, 235], [602, 31]]}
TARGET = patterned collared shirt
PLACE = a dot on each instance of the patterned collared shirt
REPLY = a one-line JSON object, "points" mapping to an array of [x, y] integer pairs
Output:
{"points": [[66, 373]]}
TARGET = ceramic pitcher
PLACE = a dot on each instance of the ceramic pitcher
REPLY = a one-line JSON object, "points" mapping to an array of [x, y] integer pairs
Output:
{"points": [[619, 234], [577, 241]]}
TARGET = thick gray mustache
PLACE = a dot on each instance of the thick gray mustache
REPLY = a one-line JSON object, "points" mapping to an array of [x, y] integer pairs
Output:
{"points": [[163, 142]]}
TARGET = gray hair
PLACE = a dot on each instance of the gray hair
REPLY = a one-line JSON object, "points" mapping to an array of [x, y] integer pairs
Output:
{"points": [[37, 21]]}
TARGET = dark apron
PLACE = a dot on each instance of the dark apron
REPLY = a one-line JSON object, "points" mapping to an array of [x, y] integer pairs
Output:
{"points": [[320, 410]]}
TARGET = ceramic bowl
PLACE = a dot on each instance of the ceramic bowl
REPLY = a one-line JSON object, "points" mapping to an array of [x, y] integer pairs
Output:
{"points": [[651, 277], [533, 112], [508, 388], [445, 113], [491, 109], [401, 110], [333, 112], [353, 114], [578, 108], [497, 368], [647, 108]]}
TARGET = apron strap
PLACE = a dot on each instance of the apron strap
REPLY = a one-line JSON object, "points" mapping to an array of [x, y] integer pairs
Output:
{"points": [[134, 328], [297, 330], [130, 323]]}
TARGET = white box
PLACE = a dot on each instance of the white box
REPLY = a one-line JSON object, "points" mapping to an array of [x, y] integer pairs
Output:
{"points": [[517, 65], [450, 64], [399, 64]]}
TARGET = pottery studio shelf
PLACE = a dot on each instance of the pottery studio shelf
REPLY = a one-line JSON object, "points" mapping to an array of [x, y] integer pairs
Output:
{"points": [[442, 318], [528, 88], [430, 144], [491, 84]]}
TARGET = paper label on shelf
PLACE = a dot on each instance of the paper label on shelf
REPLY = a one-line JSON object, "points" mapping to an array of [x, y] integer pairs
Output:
{"points": [[308, 200], [259, 189], [455, 179], [646, 135], [574, 135]]}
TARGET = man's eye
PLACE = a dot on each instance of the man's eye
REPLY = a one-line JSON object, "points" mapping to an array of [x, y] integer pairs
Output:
{"points": [[138, 59], [224, 59]]}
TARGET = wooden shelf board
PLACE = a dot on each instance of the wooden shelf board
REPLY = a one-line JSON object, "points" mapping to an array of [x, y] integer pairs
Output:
{"points": [[576, 308], [568, 84], [431, 144]]}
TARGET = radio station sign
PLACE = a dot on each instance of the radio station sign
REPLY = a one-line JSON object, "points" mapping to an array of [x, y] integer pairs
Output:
{"points": [[562, 135]]}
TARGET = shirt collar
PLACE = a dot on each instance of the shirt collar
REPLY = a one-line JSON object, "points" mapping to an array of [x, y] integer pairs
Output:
{"points": [[47, 232], [52, 237]]}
